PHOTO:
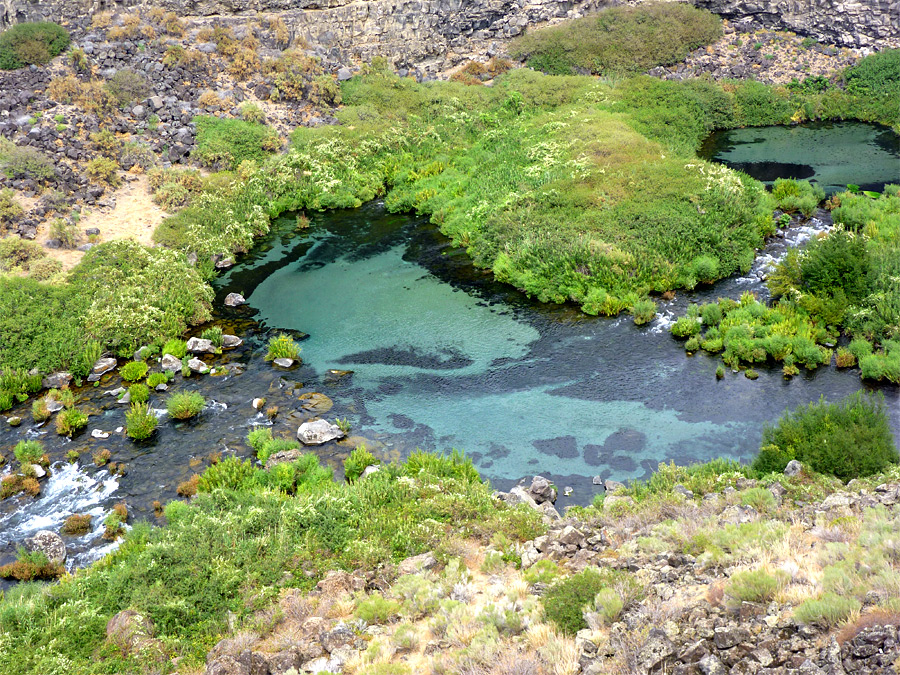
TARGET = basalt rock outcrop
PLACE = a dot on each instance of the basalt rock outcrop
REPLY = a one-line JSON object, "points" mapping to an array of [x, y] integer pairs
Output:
{"points": [[427, 37]]}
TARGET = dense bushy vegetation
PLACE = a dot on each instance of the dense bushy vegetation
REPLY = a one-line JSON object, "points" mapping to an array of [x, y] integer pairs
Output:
{"points": [[225, 143], [231, 551], [31, 43], [845, 282], [848, 439], [619, 40]]}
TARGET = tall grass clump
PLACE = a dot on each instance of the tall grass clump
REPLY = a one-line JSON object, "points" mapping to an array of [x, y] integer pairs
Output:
{"points": [[847, 439], [140, 422], [282, 347], [184, 405]]}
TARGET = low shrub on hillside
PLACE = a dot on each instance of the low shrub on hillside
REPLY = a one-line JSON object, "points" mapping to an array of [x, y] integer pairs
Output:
{"points": [[566, 600], [357, 462], [847, 439], [24, 162], [31, 43], [619, 40]]}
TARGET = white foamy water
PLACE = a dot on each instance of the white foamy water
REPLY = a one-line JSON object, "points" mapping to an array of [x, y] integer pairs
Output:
{"points": [[68, 490]]}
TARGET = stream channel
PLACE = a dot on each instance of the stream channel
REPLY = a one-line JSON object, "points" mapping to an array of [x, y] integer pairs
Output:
{"points": [[441, 357]]}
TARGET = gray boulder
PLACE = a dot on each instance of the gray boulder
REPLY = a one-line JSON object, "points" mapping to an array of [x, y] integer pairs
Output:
{"points": [[793, 468], [198, 366], [231, 341], [49, 543], [318, 432], [542, 490], [283, 362], [169, 362], [234, 300], [101, 367], [197, 345], [56, 380]]}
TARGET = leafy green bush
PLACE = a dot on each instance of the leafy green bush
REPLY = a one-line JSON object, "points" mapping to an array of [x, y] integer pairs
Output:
{"points": [[685, 327], [838, 263], [139, 393], [31, 43], [156, 379], [69, 421], [184, 405], [565, 601], [229, 474], [225, 143], [848, 439], [357, 462], [878, 73], [282, 347], [176, 348], [134, 371], [140, 422], [544, 571], [797, 195], [620, 40], [28, 452], [643, 311]]}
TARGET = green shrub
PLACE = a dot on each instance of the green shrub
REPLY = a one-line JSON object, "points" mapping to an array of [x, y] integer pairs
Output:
{"points": [[455, 465], [214, 335], [838, 263], [878, 73], [848, 439], [31, 566], [184, 405], [620, 40], [140, 422], [229, 474], [377, 609], [176, 348], [25, 162], [69, 421], [759, 498], [643, 311], [225, 143], [544, 571], [134, 371], [10, 211], [29, 452], [566, 600], [753, 586], [797, 195], [140, 393], [128, 86], [31, 43], [156, 379], [357, 462], [103, 170], [282, 347], [685, 327], [828, 610]]}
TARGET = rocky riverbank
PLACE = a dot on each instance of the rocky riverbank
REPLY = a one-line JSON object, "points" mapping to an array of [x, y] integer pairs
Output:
{"points": [[695, 613]]}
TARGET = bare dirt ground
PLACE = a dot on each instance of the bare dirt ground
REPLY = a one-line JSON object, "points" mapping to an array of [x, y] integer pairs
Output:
{"points": [[134, 216]]}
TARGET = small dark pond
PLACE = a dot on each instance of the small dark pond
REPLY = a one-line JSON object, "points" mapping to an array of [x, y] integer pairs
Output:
{"points": [[832, 154]]}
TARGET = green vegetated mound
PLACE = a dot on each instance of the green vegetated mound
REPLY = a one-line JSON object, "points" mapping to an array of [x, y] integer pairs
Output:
{"points": [[842, 284], [31, 43], [622, 40], [247, 536]]}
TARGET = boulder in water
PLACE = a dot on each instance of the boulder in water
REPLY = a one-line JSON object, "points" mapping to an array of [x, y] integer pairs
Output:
{"points": [[283, 362], [200, 346], [169, 362], [197, 366], [49, 543], [234, 300], [56, 380], [231, 341], [318, 432], [101, 367]]}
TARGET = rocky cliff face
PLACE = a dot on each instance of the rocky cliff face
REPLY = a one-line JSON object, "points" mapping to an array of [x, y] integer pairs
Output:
{"points": [[870, 23], [431, 36]]}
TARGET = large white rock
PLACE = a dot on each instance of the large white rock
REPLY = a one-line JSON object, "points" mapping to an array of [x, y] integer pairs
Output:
{"points": [[169, 362], [234, 300], [197, 345], [49, 543], [318, 432]]}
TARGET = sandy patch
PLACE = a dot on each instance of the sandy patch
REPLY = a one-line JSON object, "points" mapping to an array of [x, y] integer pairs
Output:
{"points": [[134, 216]]}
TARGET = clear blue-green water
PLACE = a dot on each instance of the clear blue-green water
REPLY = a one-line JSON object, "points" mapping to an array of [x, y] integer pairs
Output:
{"points": [[445, 358], [831, 154]]}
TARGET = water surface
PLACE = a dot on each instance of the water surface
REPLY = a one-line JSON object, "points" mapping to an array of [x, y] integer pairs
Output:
{"points": [[832, 154]]}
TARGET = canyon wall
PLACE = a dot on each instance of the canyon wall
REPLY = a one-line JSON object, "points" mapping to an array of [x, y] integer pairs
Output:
{"points": [[431, 36]]}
